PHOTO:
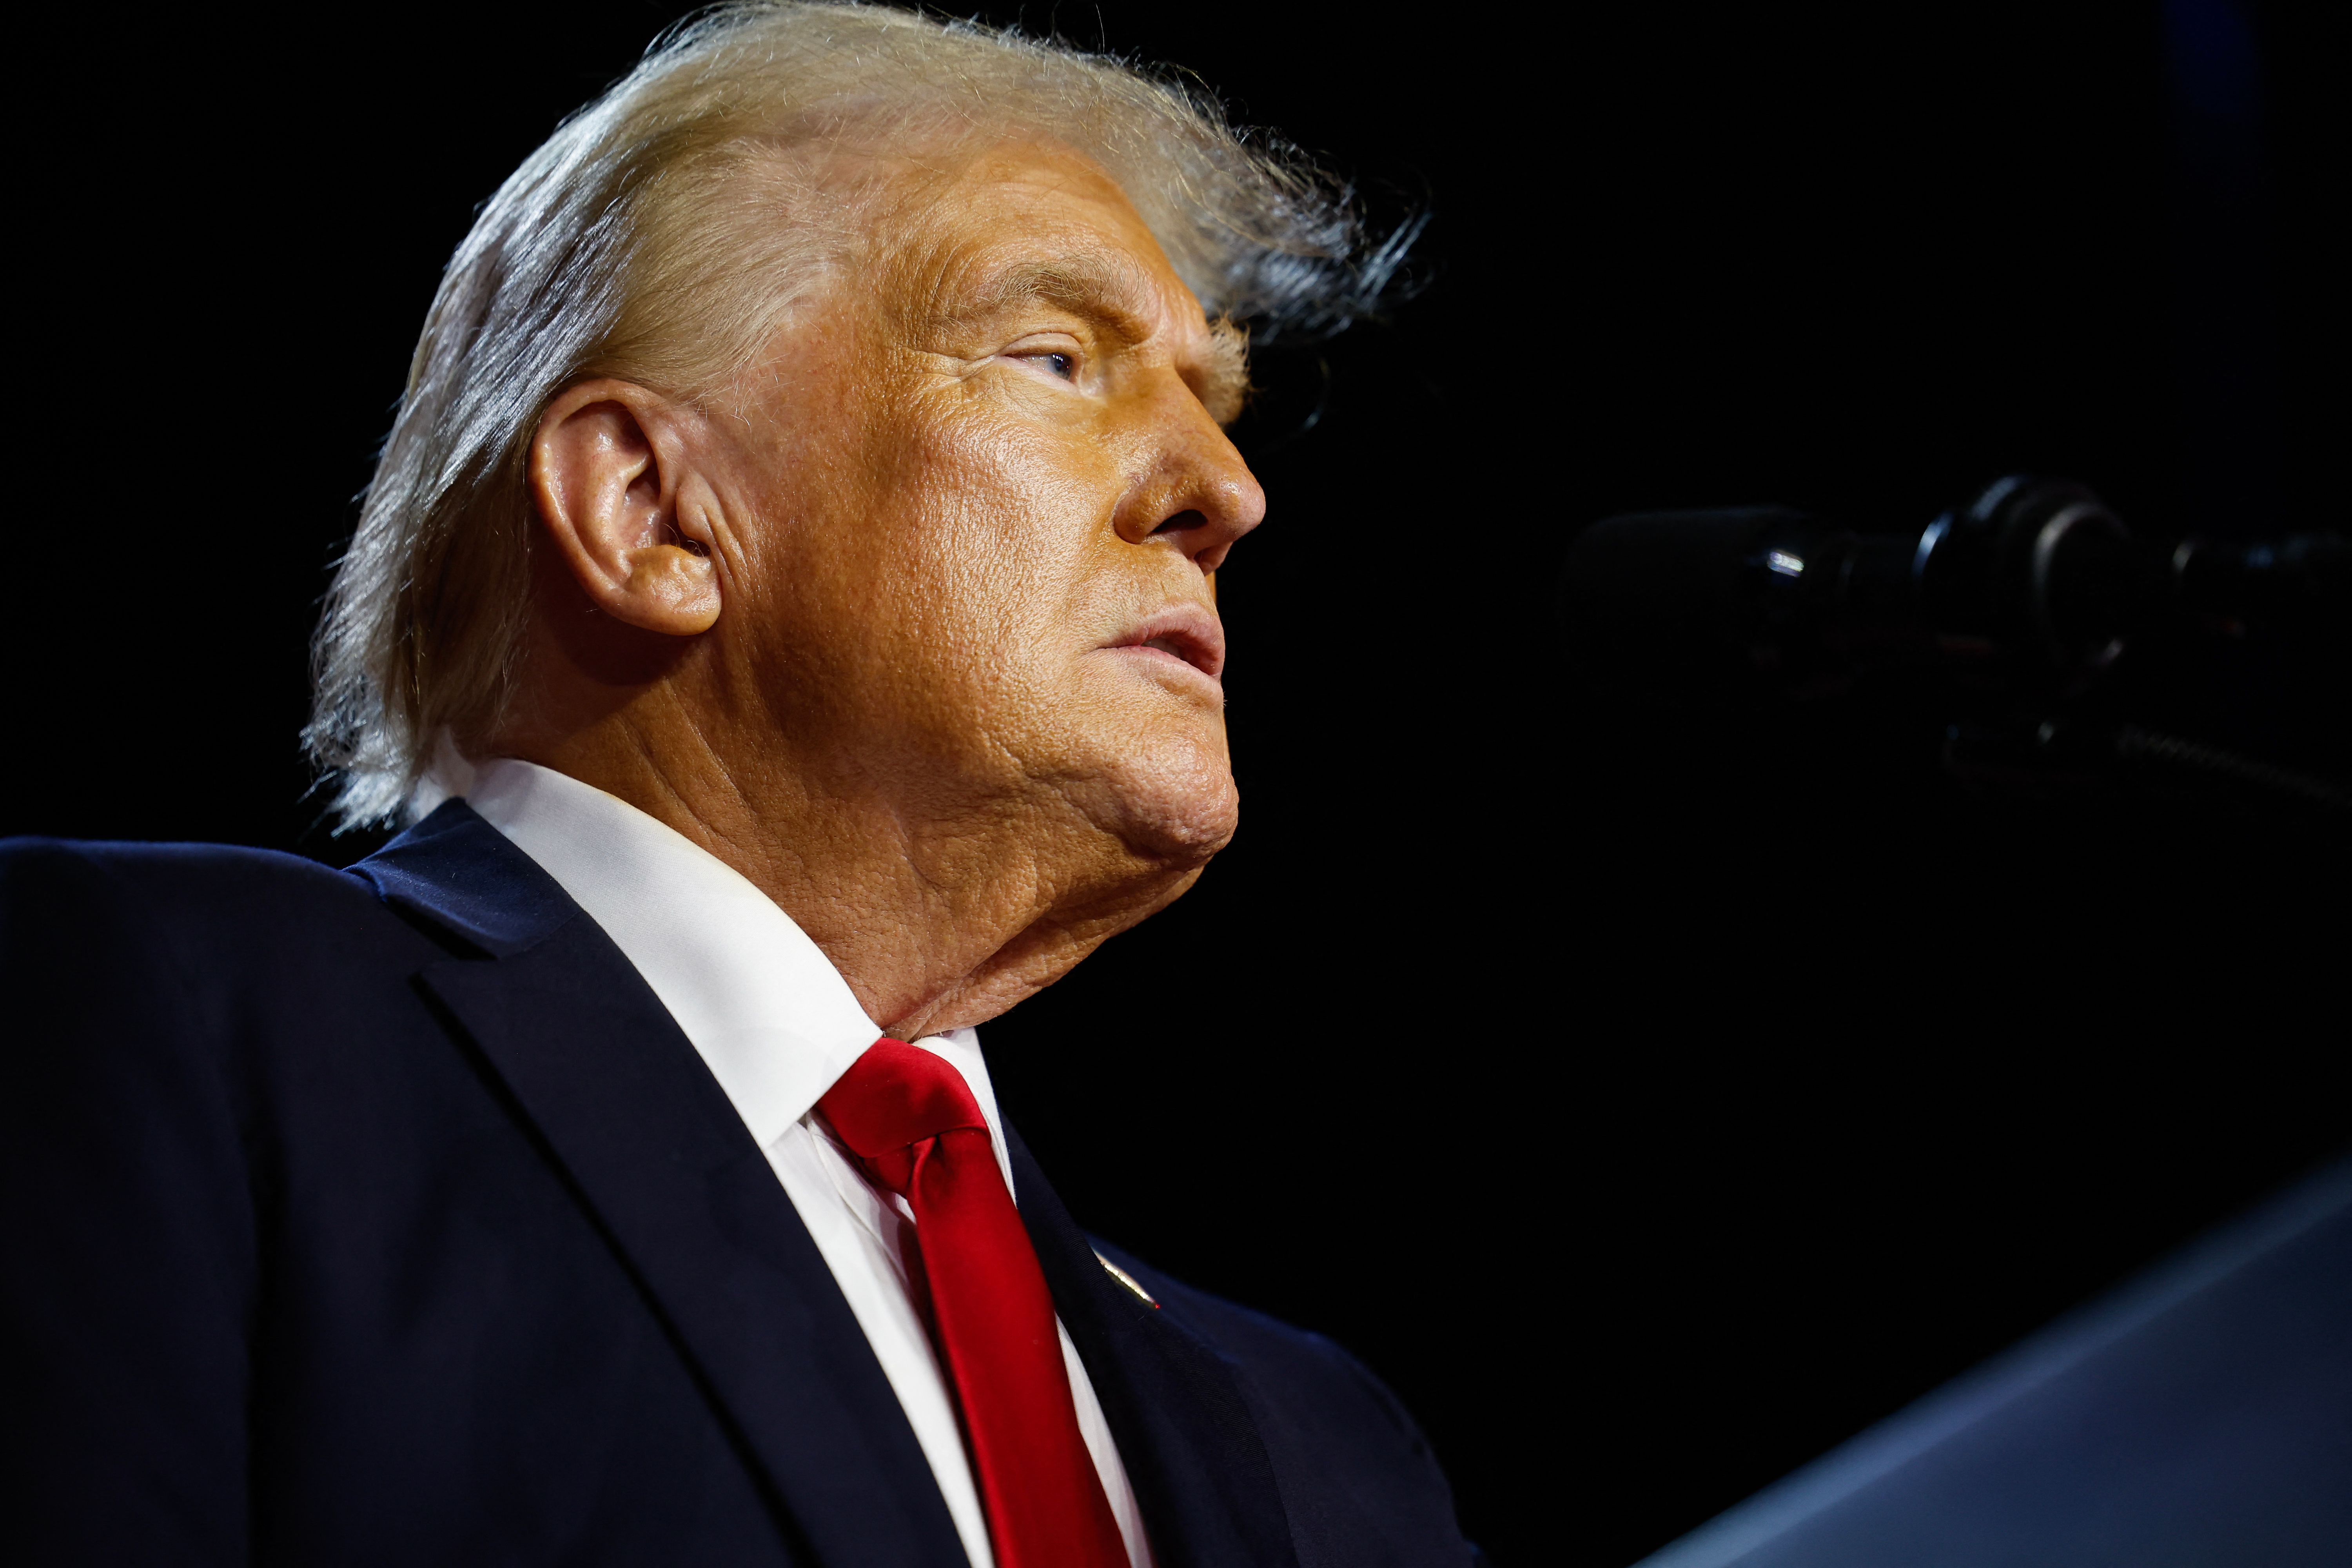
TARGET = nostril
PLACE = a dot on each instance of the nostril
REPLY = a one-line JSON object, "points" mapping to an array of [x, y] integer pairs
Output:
{"points": [[1183, 521]]}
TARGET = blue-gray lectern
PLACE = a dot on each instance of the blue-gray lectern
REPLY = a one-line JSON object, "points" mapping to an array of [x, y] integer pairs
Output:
{"points": [[2199, 1418]]}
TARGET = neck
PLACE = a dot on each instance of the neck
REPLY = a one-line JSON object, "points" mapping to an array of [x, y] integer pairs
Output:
{"points": [[937, 918]]}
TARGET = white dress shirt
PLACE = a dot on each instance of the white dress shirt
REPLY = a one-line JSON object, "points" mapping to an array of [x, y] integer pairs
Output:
{"points": [[778, 1027]]}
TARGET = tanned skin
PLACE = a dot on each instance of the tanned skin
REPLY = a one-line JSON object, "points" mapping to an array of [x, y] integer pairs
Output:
{"points": [[913, 623]]}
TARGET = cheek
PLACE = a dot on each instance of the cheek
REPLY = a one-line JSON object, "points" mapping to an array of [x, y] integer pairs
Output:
{"points": [[1009, 548], [921, 588]]}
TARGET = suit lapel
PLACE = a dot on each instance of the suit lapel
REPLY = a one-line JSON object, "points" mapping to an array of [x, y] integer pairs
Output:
{"points": [[667, 1171], [1184, 1431]]}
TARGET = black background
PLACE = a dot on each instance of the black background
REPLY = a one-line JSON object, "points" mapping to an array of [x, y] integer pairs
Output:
{"points": [[1653, 1115]]}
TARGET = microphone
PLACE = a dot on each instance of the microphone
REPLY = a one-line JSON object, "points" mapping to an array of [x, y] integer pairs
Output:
{"points": [[2020, 608]]}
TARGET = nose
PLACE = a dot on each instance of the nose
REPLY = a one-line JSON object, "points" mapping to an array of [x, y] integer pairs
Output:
{"points": [[1197, 495]]}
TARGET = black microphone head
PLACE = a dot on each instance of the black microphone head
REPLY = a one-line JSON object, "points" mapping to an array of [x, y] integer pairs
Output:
{"points": [[2032, 587]]}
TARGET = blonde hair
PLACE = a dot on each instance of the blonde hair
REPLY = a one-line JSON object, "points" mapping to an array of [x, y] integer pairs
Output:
{"points": [[630, 244]]}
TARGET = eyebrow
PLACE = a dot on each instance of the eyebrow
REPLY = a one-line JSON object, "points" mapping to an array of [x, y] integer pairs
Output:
{"points": [[1078, 285], [1224, 383]]}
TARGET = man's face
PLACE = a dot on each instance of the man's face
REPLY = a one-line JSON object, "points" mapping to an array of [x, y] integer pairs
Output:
{"points": [[986, 483]]}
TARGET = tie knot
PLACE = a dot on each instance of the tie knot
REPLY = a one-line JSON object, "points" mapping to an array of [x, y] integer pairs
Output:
{"points": [[895, 1095]]}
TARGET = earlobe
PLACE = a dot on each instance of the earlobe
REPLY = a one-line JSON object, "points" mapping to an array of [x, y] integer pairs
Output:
{"points": [[615, 492]]}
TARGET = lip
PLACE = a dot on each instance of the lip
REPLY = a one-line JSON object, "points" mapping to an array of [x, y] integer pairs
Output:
{"points": [[1184, 632]]}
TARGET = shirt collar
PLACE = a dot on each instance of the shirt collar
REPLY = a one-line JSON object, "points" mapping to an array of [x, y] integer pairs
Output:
{"points": [[766, 1009]]}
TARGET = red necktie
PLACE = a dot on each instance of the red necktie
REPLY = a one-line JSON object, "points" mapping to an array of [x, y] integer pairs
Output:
{"points": [[911, 1121]]}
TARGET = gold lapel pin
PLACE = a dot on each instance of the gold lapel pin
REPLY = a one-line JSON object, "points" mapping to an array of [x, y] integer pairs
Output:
{"points": [[1124, 1277]]}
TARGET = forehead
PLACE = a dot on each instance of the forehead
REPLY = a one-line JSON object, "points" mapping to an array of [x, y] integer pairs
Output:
{"points": [[1026, 220]]}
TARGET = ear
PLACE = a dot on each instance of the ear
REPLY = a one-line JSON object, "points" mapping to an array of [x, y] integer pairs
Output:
{"points": [[622, 506]]}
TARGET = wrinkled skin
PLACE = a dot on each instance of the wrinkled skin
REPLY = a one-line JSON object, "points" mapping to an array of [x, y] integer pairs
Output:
{"points": [[913, 625]]}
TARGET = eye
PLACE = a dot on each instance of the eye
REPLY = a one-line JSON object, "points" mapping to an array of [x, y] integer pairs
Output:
{"points": [[1062, 364], [1053, 352]]}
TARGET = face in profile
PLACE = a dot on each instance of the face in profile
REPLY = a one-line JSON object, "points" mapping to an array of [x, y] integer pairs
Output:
{"points": [[987, 483]]}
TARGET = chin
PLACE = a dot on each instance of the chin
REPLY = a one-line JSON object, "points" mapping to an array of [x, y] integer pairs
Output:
{"points": [[1174, 802]]}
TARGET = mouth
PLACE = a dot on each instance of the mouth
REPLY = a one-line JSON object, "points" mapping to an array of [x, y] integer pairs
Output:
{"points": [[1182, 634]]}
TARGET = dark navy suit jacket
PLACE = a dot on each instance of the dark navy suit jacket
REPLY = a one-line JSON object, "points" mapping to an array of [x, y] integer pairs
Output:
{"points": [[385, 1216]]}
